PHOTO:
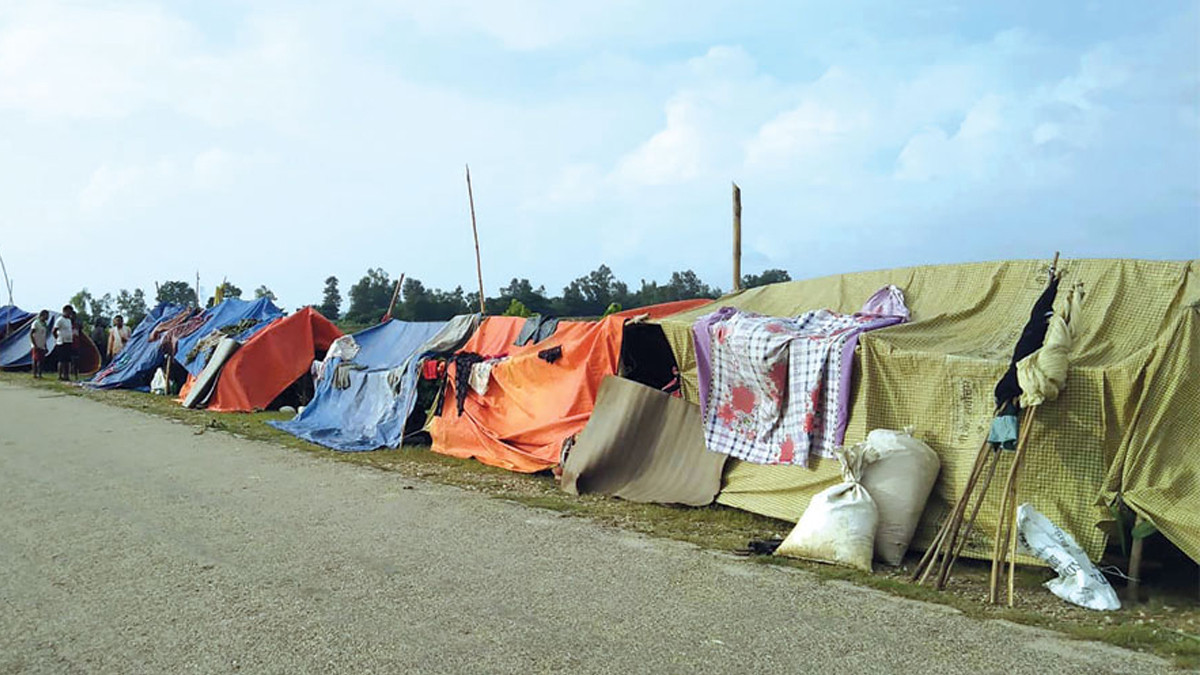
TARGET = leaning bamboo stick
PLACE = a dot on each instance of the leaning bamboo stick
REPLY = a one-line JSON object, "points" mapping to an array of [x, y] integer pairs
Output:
{"points": [[475, 231], [1005, 527], [940, 543]]}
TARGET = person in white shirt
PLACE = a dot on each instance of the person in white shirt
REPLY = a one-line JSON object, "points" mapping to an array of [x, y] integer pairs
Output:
{"points": [[118, 335], [37, 341], [64, 342]]}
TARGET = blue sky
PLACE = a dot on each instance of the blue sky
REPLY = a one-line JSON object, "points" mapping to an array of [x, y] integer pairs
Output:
{"points": [[280, 142]]}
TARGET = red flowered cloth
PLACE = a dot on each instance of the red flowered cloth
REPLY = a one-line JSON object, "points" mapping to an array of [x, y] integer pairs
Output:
{"points": [[775, 384]]}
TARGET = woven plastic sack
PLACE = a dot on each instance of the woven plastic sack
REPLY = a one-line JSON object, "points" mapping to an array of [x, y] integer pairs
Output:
{"points": [[838, 526], [1078, 580], [899, 474]]}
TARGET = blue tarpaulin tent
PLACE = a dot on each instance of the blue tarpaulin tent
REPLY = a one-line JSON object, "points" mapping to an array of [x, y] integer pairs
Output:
{"points": [[229, 313], [135, 365], [14, 336], [11, 314], [15, 349], [370, 414]]}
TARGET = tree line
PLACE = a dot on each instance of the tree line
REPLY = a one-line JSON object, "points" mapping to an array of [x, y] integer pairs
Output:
{"points": [[594, 294]]}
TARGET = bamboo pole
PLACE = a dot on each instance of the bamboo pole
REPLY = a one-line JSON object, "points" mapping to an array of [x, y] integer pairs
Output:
{"points": [[395, 294], [737, 237], [475, 231]]}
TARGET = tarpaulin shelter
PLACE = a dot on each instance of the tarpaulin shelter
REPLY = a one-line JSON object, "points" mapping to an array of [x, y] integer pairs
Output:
{"points": [[250, 316], [15, 350], [1125, 424], [274, 357], [643, 445], [135, 364], [10, 317], [534, 400], [371, 411]]}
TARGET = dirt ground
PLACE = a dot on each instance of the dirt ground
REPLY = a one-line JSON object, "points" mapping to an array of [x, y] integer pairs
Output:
{"points": [[150, 465]]}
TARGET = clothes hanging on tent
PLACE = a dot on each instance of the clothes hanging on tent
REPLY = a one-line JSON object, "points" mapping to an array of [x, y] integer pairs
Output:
{"points": [[1032, 337], [778, 386], [703, 342], [536, 329]]}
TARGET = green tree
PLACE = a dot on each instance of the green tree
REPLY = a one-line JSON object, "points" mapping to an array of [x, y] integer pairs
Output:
{"points": [[522, 291], [131, 306], [264, 292], [517, 308], [590, 295], [178, 292], [369, 298], [331, 304], [82, 302], [771, 276]]}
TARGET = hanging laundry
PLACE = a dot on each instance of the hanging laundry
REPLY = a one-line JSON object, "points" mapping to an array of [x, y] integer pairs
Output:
{"points": [[778, 388], [550, 355], [481, 375], [536, 329]]}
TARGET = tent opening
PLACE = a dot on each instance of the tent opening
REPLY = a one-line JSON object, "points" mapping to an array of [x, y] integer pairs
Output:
{"points": [[646, 356]]}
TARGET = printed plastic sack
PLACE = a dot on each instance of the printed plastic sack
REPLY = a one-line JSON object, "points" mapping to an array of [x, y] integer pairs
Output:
{"points": [[1078, 579], [839, 524], [899, 475], [158, 385]]}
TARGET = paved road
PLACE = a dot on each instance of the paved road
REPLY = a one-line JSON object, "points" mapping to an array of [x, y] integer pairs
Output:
{"points": [[130, 544]]}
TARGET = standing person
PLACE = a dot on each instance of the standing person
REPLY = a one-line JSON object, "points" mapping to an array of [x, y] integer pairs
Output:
{"points": [[118, 335], [77, 327], [64, 342], [37, 339]]}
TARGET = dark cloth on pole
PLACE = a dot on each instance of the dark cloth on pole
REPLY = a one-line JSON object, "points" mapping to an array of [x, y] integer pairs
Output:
{"points": [[1032, 337]]}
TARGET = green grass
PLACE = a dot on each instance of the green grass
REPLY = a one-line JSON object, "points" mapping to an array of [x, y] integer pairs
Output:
{"points": [[1167, 625]]}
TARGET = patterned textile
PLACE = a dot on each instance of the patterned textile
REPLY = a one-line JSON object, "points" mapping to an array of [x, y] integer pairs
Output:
{"points": [[776, 384]]}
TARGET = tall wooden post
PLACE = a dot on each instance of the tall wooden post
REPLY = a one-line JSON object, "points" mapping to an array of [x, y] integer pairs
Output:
{"points": [[475, 231], [737, 237], [395, 294]]}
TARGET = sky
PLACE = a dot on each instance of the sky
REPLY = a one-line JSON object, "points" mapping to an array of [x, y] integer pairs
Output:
{"points": [[279, 143]]}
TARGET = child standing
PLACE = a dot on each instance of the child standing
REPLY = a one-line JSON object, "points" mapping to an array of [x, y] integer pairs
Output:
{"points": [[37, 338]]}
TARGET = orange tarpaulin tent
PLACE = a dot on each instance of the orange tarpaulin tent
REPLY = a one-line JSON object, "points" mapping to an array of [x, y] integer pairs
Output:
{"points": [[271, 361], [531, 405]]}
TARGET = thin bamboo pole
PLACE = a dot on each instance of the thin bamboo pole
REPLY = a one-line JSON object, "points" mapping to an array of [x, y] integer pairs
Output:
{"points": [[1006, 526], [475, 231], [395, 294], [737, 237]]}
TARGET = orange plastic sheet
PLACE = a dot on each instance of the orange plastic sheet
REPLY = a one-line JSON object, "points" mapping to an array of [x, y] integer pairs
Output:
{"points": [[271, 361], [532, 406]]}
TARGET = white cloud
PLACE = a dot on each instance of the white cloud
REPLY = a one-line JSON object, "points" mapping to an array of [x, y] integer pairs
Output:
{"points": [[86, 62], [673, 155], [115, 187]]}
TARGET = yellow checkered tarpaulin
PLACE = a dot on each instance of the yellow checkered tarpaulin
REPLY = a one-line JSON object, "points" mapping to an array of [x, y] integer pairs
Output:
{"points": [[1127, 424]]}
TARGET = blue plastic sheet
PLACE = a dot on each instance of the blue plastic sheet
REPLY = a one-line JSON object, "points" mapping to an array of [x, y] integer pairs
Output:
{"points": [[228, 313], [11, 314], [367, 415], [134, 366]]}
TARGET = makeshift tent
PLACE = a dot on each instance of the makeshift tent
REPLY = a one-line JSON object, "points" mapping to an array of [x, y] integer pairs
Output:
{"points": [[643, 445], [370, 412], [533, 400], [1124, 425], [16, 354], [235, 318], [135, 364], [12, 316], [274, 357]]}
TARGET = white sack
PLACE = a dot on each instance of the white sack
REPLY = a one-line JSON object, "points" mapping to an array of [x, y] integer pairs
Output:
{"points": [[899, 475], [1078, 579], [158, 385], [839, 524]]}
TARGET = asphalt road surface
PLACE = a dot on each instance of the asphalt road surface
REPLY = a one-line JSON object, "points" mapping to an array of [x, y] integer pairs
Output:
{"points": [[130, 544]]}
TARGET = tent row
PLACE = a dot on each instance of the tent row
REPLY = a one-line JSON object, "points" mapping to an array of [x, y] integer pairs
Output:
{"points": [[697, 402]]}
